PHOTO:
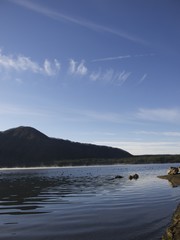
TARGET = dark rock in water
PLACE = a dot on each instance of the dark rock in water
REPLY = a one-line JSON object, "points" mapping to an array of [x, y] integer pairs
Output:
{"points": [[135, 176], [118, 176], [130, 177]]}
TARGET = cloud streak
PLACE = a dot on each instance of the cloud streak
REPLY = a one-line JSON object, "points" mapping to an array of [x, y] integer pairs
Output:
{"points": [[81, 22], [122, 57], [15, 110], [85, 115], [142, 78], [156, 133], [110, 76], [22, 64], [111, 58], [76, 68], [139, 147], [101, 116], [159, 114]]}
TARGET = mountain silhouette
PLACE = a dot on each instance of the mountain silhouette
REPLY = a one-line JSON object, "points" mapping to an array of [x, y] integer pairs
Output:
{"points": [[26, 146], [25, 132]]}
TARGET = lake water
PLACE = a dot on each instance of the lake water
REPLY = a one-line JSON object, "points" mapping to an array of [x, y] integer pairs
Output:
{"points": [[86, 203]]}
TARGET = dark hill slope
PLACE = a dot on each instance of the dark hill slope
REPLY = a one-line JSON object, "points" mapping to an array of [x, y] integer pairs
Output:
{"points": [[26, 146], [24, 132]]}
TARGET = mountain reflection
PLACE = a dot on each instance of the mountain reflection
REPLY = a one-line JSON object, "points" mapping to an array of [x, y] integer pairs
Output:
{"points": [[26, 193]]}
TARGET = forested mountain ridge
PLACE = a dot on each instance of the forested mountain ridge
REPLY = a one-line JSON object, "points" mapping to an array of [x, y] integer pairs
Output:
{"points": [[26, 146]]}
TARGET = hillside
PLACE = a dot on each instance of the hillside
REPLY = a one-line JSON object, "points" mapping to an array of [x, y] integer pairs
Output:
{"points": [[26, 146]]}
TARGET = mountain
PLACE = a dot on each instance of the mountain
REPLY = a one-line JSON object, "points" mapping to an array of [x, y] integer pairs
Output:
{"points": [[26, 146], [24, 132]]}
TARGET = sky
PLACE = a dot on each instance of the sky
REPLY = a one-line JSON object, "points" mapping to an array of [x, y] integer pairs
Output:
{"points": [[105, 72]]}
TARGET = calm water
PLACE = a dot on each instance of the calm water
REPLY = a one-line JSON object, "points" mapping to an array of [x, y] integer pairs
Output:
{"points": [[86, 203]]}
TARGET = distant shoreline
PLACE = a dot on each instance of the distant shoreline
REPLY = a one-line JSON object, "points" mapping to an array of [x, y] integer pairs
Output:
{"points": [[27, 147], [87, 165]]}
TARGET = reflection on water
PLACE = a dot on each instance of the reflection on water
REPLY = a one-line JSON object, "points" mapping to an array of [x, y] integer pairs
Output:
{"points": [[17, 191], [85, 203], [21, 192]]}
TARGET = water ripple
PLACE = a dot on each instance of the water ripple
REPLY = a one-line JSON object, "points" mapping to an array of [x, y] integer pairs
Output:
{"points": [[86, 203]]}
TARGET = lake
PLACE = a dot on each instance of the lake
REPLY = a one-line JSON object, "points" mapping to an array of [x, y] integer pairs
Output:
{"points": [[86, 203]]}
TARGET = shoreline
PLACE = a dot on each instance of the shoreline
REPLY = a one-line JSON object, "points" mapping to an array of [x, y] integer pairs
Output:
{"points": [[174, 180], [173, 230]]}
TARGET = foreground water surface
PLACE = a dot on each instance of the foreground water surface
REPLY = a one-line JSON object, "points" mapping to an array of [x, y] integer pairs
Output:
{"points": [[86, 203]]}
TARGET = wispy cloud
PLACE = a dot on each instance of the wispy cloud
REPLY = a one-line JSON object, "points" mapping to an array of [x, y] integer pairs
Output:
{"points": [[95, 76], [101, 116], [121, 57], [51, 68], [110, 76], [81, 22], [171, 134], [110, 58], [159, 114], [77, 68], [142, 78], [21, 63], [122, 77], [88, 115], [139, 147], [157, 133], [16, 110]]}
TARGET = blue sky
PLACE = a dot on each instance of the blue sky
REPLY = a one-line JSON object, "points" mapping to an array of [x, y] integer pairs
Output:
{"points": [[102, 71]]}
